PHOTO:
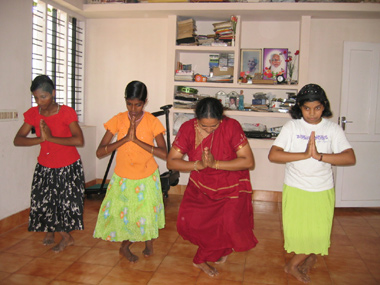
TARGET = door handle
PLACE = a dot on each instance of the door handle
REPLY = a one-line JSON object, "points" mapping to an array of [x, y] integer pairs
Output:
{"points": [[344, 122]]}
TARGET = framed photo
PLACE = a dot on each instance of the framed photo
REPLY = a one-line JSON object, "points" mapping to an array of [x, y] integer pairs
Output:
{"points": [[251, 61], [275, 62], [233, 103]]}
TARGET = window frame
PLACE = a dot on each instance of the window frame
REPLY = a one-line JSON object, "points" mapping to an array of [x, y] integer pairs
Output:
{"points": [[53, 54]]}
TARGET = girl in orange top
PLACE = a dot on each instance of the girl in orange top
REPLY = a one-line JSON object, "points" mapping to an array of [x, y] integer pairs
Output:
{"points": [[133, 208]]}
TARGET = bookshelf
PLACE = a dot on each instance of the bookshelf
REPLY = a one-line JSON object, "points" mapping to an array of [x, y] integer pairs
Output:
{"points": [[198, 56], [296, 37]]}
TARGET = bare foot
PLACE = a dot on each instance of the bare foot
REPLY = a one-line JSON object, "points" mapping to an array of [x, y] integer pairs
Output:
{"points": [[297, 274], [124, 251], [308, 264], [66, 241], [148, 251], [208, 269], [48, 239], [221, 260]]}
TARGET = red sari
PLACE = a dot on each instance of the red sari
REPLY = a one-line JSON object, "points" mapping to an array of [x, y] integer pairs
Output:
{"points": [[216, 211]]}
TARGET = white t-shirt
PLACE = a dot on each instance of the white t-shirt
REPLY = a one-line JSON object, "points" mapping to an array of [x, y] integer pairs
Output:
{"points": [[310, 174]]}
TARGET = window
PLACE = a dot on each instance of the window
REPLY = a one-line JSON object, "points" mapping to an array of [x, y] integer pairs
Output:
{"points": [[58, 52]]}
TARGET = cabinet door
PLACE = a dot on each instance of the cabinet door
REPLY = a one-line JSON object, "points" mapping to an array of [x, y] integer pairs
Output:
{"points": [[358, 186]]}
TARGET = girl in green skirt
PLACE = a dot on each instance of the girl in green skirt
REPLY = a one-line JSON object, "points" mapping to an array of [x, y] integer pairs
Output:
{"points": [[309, 144], [133, 210]]}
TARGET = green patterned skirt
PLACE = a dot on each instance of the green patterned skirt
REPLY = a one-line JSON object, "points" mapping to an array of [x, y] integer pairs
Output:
{"points": [[131, 210]]}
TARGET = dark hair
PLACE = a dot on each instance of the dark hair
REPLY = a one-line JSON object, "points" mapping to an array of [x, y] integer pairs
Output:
{"points": [[42, 82], [136, 90], [310, 93], [209, 108]]}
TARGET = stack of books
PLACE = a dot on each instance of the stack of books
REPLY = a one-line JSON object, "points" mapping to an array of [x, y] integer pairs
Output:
{"points": [[184, 75], [184, 72], [186, 32], [206, 40], [224, 31]]}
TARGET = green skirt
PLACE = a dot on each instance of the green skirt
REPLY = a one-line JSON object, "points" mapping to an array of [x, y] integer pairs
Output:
{"points": [[131, 210], [307, 220]]}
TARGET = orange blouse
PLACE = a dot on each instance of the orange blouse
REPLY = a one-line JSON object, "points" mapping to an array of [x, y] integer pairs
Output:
{"points": [[132, 161]]}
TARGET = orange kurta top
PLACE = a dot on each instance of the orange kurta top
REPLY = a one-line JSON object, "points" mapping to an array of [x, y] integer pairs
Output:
{"points": [[132, 161]]}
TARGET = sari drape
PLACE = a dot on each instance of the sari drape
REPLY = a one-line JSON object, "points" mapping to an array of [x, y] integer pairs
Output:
{"points": [[216, 211]]}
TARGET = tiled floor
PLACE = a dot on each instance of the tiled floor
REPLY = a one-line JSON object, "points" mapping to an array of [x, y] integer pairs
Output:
{"points": [[354, 255]]}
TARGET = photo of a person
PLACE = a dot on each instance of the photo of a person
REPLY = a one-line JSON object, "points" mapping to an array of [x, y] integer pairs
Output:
{"points": [[274, 63], [251, 61], [233, 103]]}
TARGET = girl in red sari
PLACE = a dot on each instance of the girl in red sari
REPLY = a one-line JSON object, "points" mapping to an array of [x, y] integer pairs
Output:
{"points": [[216, 211]]}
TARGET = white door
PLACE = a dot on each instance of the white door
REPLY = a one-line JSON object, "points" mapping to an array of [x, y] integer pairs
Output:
{"points": [[359, 185]]}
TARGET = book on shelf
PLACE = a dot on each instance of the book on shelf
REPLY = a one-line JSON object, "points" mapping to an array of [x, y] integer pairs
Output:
{"points": [[186, 29], [184, 72], [224, 32], [206, 40], [213, 60], [186, 22], [223, 60], [181, 66], [184, 77], [222, 25], [188, 41]]}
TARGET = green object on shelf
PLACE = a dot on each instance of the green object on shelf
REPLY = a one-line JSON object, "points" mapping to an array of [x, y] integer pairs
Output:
{"points": [[185, 89]]}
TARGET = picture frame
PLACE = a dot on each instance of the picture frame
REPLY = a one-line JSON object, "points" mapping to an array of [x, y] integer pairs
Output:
{"points": [[274, 63], [233, 103], [251, 61]]}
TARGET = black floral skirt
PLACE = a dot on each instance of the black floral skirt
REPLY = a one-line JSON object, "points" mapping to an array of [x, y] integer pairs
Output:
{"points": [[57, 199]]}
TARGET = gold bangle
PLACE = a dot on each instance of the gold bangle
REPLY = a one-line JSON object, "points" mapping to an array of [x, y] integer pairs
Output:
{"points": [[195, 165], [321, 157], [106, 149], [152, 150], [217, 164]]}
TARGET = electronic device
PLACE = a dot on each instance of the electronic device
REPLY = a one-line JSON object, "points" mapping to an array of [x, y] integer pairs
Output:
{"points": [[258, 135]]}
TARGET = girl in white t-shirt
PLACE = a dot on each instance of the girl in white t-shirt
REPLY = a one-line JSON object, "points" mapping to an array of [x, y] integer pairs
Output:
{"points": [[309, 145]]}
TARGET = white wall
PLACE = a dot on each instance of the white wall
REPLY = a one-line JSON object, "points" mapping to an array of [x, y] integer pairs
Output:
{"points": [[326, 52], [87, 152], [16, 164], [117, 52]]}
